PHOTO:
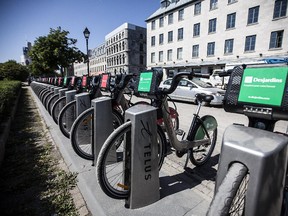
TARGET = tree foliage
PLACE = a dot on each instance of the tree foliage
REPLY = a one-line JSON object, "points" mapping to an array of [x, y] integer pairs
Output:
{"points": [[55, 51], [11, 70]]}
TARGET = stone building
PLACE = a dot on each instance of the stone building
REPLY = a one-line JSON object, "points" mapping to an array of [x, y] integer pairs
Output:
{"points": [[203, 35]]}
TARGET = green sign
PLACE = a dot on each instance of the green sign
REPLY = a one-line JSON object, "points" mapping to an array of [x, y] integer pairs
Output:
{"points": [[145, 82], [263, 85]]}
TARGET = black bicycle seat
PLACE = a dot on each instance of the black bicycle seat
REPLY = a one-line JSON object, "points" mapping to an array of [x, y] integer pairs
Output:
{"points": [[202, 97]]}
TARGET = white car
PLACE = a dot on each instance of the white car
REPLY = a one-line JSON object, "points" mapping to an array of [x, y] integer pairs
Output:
{"points": [[187, 89]]}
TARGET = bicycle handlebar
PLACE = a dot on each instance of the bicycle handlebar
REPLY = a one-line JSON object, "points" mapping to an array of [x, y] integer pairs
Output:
{"points": [[176, 79]]}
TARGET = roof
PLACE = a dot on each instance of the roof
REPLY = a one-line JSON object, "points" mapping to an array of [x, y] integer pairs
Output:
{"points": [[174, 4]]}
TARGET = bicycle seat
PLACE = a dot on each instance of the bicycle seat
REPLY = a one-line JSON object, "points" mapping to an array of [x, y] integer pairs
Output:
{"points": [[204, 97]]}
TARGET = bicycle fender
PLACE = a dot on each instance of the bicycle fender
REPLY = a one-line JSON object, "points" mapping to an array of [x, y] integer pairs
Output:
{"points": [[209, 123]]}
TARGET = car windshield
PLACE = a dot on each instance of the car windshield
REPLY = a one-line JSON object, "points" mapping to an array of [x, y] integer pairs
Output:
{"points": [[201, 83]]}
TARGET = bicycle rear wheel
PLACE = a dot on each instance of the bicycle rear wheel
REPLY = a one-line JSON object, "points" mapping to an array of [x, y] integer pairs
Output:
{"points": [[66, 118], [56, 108], [231, 194], [111, 161], [81, 134]]}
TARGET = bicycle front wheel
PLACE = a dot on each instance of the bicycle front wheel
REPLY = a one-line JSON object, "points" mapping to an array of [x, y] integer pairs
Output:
{"points": [[56, 108], [201, 154], [231, 194], [81, 134], [66, 118], [111, 161]]}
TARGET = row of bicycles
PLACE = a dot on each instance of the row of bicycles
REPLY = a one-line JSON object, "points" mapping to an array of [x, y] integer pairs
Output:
{"points": [[259, 93]]}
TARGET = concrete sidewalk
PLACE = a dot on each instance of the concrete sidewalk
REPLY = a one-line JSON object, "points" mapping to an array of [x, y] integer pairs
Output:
{"points": [[182, 192]]}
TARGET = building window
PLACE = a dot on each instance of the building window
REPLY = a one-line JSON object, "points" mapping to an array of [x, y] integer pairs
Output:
{"points": [[180, 14], [169, 55], [170, 18], [280, 8], [161, 22], [153, 41], [276, 39], [197, 8], [180, 34], [179, 53], [231, 18], [213, 4], [231, 1], [250, 43], [196, 29], [153, 57], [228, 47], [195, 51], [212, 25], [153, 25], [253, 15], [161, 38], [170, 36], [210, 48], [160, 56]]}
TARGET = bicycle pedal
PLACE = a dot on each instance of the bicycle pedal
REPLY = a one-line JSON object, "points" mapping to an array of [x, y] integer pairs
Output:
{"points": [[125, 187], [179, 132]]}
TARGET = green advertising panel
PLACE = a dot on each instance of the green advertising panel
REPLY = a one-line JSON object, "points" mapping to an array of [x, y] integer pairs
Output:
{"points": [[145, 82], [263, 85]]}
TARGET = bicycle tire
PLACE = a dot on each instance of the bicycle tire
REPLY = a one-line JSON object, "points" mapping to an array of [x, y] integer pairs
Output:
{"points": [[81, 134], [231, 193], [51, 102], [56, 108], [46, 98], [115, 187], [201, 154], [66, 118]]}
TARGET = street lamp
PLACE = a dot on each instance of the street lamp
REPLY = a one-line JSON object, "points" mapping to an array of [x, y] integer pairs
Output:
{"points": [[86, 33]]}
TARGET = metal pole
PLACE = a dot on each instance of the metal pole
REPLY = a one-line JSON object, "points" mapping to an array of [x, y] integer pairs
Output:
{"points": [[87, 57]]}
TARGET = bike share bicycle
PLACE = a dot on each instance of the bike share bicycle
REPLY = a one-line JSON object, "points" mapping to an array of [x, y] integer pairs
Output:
{"points": [[72, 83], [199, 143], [81, 134], [252, 172], [67, 114]]}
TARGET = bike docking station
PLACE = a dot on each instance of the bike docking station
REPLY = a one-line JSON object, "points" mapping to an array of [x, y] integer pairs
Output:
{"points": [[70, 95], [83, 102], [103, 124], [263, 152], [142, 147], [62, 92]]}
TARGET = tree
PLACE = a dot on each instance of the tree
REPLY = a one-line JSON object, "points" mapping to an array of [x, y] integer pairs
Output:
{"points": [[12, 70], [54, 52]]}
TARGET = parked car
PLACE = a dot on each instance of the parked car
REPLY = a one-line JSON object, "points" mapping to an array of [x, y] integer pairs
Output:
{"points": [[187, 89]]}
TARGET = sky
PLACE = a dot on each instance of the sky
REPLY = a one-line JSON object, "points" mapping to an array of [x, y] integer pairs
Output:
{"points": [[23, 21]]}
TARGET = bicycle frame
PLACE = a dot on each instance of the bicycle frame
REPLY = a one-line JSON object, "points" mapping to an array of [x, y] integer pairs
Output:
{"points": [[182, 145]]}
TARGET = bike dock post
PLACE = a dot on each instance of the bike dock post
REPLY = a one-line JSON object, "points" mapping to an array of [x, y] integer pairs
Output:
{"points": [[83, 102], [143, 151], [265, 155], [70, 95], [103, 124], [62, 92]]}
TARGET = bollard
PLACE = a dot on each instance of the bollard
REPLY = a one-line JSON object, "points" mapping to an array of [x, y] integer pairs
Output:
{"points": [[265, 155], [103, 125], [144, 173], [83, 102]]}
